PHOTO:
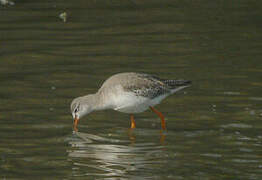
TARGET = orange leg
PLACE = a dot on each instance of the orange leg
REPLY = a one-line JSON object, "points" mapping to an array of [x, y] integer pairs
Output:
{"points": [[163, 122], [162, 137], [133, 123], [131, 136]]}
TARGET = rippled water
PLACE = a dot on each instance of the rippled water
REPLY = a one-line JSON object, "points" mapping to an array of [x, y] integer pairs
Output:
{"points": [[213, 127]]}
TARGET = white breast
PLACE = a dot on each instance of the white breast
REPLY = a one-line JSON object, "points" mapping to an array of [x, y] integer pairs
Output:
{"points": [[129, 102]]}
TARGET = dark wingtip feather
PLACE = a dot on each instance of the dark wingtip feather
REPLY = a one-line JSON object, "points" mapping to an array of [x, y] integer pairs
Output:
{"points": [[177, 83], [187, 82]]}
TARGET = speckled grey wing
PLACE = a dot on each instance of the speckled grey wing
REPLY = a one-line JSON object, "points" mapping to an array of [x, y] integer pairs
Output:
{"points": [[147, 86]]}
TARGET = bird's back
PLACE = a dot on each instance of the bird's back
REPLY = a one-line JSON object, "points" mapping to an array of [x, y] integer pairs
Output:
{"points": [[142, 84]]}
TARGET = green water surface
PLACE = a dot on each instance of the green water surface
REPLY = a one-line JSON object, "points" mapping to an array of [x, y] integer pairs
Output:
{"points": [[213, 127]]}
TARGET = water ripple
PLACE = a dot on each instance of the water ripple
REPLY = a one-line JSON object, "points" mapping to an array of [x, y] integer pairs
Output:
{"points": [[108, 157]]}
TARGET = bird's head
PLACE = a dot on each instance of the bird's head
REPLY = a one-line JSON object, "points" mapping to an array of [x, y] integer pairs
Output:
{"points": [[80, 107]]}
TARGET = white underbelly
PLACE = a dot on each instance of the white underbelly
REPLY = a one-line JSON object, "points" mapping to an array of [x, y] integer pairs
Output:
{"points": [[130, 103]]}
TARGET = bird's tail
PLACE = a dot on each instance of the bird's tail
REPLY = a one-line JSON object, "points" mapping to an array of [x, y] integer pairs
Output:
{"points": [[177, 83]]}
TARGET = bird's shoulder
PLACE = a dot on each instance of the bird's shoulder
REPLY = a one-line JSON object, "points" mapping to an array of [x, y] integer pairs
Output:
{"points": [[141, 84]]}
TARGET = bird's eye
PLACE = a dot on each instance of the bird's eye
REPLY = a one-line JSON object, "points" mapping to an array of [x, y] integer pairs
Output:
{"points": [[76, 110]]}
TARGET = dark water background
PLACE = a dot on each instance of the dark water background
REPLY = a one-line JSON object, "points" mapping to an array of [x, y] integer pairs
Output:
{"points": [[214, 127]]}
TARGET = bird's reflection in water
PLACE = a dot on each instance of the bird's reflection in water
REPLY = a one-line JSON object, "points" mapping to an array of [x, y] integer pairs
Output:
{"points": [[132, 136], [100, 157]]}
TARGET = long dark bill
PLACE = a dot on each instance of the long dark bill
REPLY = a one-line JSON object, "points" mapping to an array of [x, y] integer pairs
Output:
{"points": [[76, 120]]}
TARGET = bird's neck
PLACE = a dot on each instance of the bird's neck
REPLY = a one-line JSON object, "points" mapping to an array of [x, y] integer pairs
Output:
{"points": [[96, 101]]}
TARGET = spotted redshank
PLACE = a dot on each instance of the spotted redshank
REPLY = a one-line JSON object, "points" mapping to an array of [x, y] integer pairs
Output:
{"points": [[128, 93]]}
